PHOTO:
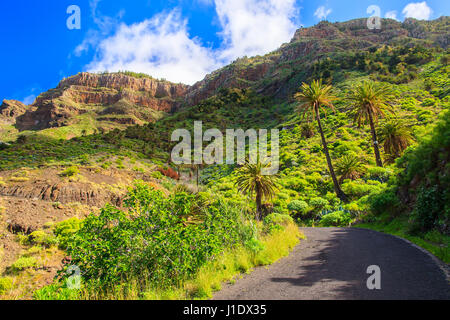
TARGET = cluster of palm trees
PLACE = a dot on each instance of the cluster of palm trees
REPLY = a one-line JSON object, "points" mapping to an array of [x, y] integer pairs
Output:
{"points": [[369, 102]]}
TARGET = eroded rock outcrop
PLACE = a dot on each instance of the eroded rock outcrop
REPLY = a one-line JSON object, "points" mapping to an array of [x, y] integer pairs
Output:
{"points": [[86, 92], [11, 109]]}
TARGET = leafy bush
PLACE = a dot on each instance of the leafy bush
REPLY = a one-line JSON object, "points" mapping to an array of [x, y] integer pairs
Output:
{"points": [[275, 222], [6, 284], [158, 238], [24, 263], [65, 229], [55, 292], [42, 238], [359, 189], [70, 172], [318, 204], [336, 219], [428, 212], [298, 207], [385, 202], [379, 173], [157, 175]]}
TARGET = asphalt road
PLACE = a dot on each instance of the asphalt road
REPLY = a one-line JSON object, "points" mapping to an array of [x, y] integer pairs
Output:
{"points": [[332, 265]]}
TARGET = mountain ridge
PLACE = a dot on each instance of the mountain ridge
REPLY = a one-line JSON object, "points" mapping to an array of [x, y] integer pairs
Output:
{"points": [[125, 98]]}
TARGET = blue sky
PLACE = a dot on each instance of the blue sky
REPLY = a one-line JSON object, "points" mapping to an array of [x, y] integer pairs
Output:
{"points": [[178, 40]]}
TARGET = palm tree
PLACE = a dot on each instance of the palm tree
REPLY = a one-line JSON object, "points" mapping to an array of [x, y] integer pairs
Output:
{"points": [[396, 136], [250, 180], [312, 98], [349, 167], [369, 104]]}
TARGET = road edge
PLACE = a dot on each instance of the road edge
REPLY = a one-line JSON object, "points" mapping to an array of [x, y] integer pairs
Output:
{"points": [[445, 268]]}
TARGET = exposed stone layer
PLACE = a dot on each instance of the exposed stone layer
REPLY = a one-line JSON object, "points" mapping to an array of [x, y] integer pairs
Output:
{"points": [[11, 109]]}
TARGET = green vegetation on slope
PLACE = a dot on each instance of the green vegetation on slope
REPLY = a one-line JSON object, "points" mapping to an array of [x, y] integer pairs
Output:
{"points": [[161, 243]]}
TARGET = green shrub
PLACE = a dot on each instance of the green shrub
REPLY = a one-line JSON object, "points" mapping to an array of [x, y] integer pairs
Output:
{"points": [[254, 245], [158, 238], [318, 203], [359, 188], [275, 222], [84, 160], [429, 210], [379, 173], [55, 292], [24, 263], [6, 284], [70, 172], [278, 219], [65, 229], [157, 175], [42, 238], [385, 202], [298, 207], [336, 219]]}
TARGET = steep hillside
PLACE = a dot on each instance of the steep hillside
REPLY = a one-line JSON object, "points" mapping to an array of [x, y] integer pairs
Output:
{"points": [[279, 73]]}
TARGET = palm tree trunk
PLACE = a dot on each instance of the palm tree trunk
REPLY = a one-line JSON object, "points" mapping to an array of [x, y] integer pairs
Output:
{"points": [[375, 141], [341, 195], [258, 205], [197, 175]]}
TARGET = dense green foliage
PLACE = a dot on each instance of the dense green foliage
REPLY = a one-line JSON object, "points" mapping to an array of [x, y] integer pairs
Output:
{"points": [[427, 169], [165, 240]]}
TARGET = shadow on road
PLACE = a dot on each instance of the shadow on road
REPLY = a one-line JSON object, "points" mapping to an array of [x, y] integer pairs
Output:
{"points": [[333, 262]]}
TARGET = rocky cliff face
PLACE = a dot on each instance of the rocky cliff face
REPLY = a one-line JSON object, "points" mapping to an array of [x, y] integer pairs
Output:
{"points": [[154, 88], [86, 92], [11, 109], [129, 99]]}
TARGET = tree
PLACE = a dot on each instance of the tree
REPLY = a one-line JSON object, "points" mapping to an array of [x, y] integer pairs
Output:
{"points": [[312, 99], [396, 136], [370, 101], [349, 167], [250, 180]]}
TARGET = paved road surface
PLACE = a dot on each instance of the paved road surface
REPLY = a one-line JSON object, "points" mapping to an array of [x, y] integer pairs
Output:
{"points": [[332, 263]]}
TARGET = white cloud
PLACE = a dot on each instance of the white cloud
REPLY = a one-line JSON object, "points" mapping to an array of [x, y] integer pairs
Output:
{"points": [[255, 27], [391, 15], [418, 10], [322, 13], [162, 47], [29, 99], [105, 25]]}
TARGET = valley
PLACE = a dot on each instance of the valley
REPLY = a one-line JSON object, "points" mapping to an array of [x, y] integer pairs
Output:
{"points": [[87, 179]]}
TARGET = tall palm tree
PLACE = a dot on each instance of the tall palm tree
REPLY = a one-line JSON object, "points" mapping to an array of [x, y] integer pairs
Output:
{"points": [[396, 136], [312, 98], [370, 102], [349, 167], [250, 180]]}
